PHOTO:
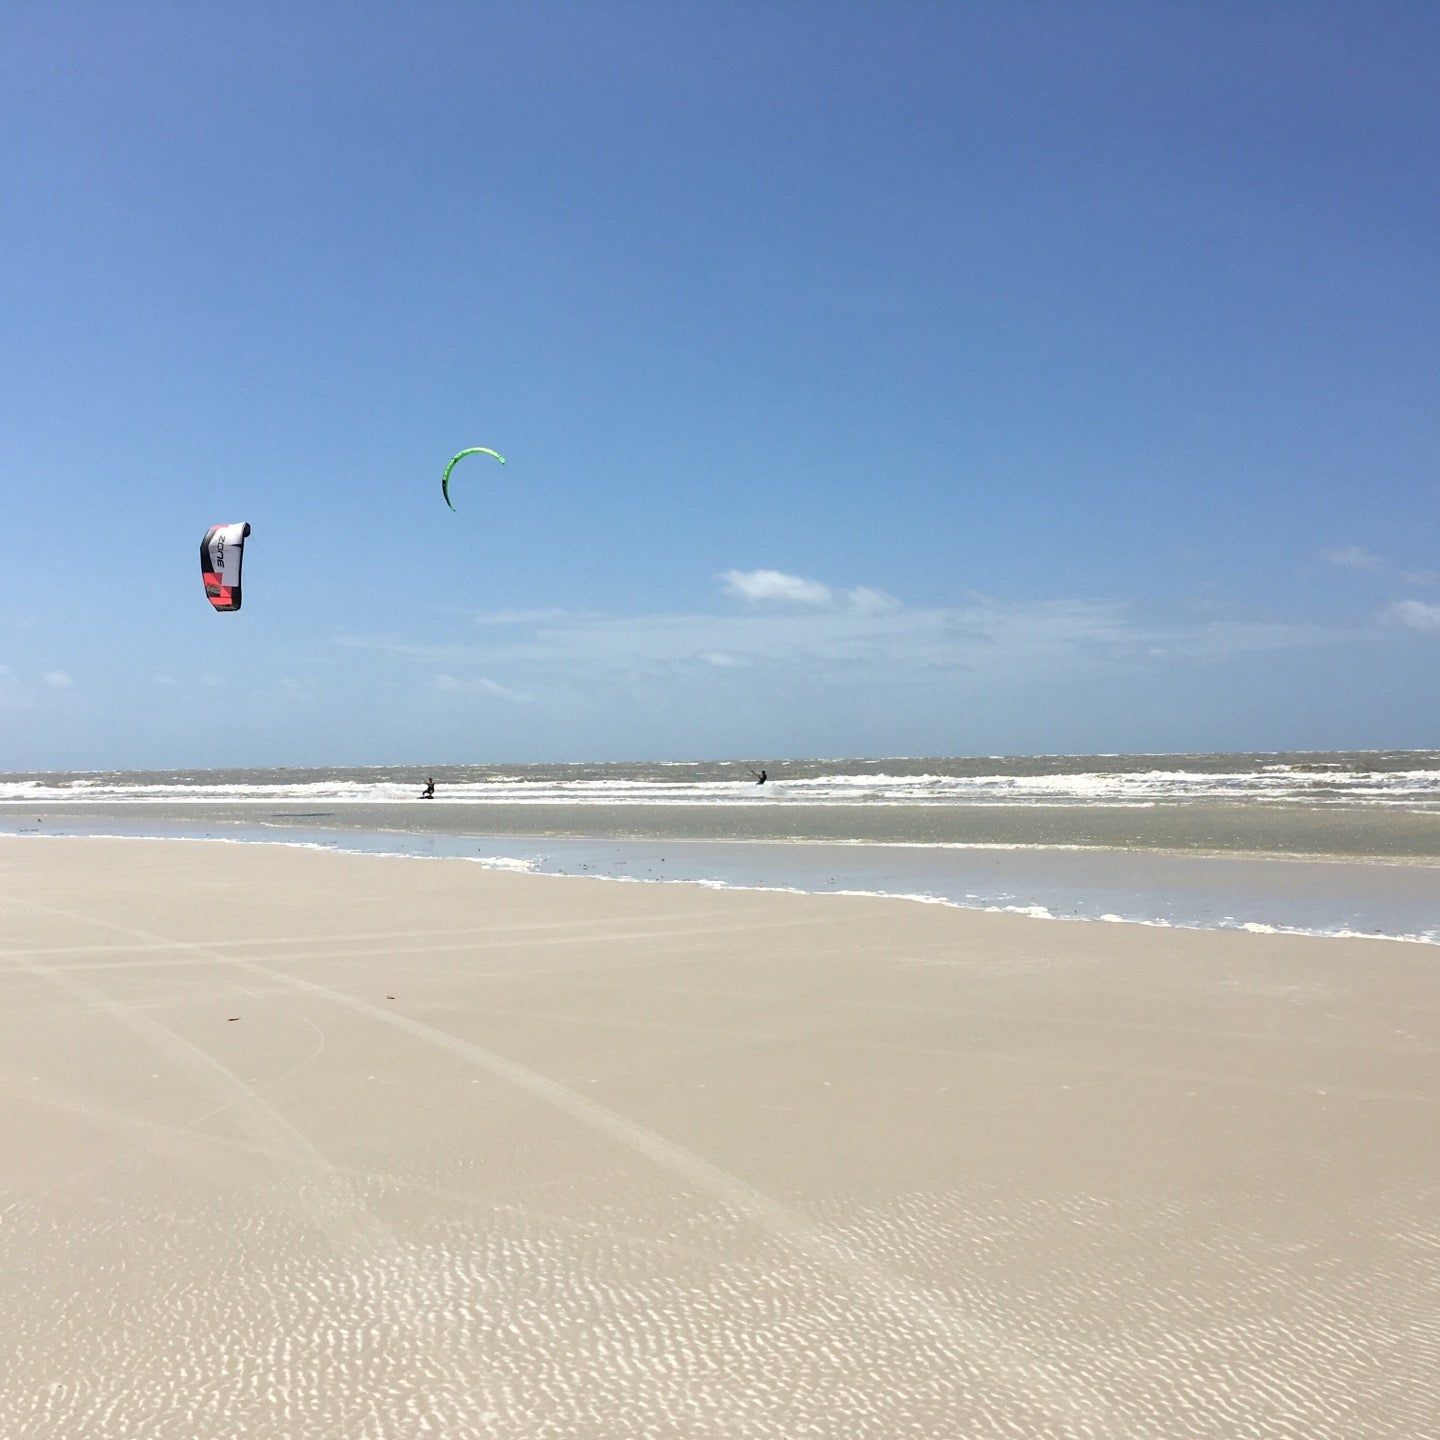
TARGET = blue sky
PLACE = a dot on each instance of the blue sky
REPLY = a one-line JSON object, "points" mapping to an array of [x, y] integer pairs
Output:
{"points": [[874, 379]]}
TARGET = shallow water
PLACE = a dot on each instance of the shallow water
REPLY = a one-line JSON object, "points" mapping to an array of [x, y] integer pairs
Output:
{"points": [[1393, 899], [1335, 843]]}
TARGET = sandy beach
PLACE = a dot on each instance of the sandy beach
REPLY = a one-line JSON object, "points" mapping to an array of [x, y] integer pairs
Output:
{"points": [[300, 1144]]}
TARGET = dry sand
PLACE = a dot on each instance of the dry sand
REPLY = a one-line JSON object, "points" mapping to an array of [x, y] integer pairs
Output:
{"points": [[656, 1161]]}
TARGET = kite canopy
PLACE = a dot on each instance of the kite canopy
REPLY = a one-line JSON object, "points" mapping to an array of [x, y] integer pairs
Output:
{"points": [[473, 450], [222, 552]]}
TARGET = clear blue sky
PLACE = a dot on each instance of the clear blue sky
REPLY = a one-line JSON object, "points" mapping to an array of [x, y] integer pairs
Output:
{"points": [[893, 378]]}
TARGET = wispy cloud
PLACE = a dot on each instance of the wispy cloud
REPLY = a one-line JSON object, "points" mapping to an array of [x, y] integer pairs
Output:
{"points": [[57, 679], [479, 685], [1420, 577], [1353, 557], [873, 639], [866, 601], [14, 694], [1414, 615], [518, 617]]}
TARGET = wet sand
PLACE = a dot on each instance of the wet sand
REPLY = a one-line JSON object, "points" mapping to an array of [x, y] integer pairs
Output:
{"points": [[312, 1145], [1195, 827]]}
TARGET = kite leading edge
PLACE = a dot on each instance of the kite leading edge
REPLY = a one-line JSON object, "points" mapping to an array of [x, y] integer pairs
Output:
{"points": [[473, 450]]}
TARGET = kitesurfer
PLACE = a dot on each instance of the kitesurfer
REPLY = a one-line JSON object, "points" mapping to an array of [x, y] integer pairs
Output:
{"points": [[428, 793], [761, 776]]}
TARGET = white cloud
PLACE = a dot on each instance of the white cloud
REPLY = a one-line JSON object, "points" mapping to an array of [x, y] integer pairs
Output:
{"points": [[775, 587], [57, 679], [1421, 577], [166, 680], [1353, 557], [1414, 615]]}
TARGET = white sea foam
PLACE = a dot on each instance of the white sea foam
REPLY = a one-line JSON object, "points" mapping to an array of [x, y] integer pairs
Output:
{"points": [[507, 862]]}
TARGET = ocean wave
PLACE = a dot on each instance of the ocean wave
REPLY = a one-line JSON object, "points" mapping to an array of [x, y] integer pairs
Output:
{"points": [[1317, 785]]}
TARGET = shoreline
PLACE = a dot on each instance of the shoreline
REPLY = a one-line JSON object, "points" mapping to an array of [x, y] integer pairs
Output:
{"points": [[335, 841]]}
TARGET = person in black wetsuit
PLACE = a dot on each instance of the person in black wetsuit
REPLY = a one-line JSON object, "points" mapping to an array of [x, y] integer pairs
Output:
{"points": [[760, 776], [428, 793]]}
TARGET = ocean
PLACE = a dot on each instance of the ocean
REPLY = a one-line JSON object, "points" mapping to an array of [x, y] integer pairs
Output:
{"points": [[1330, 843]]}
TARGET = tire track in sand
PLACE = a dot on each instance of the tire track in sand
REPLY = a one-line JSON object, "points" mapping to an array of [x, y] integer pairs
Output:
{"points": [[888, 1293], [895, 1298], [330, 1201]]}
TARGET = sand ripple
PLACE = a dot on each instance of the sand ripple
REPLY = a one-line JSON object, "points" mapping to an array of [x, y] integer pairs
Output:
{"points": [[646, 1319]]}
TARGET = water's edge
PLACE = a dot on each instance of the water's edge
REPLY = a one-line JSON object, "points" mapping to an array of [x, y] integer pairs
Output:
{"points": [[1271, 895]]}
